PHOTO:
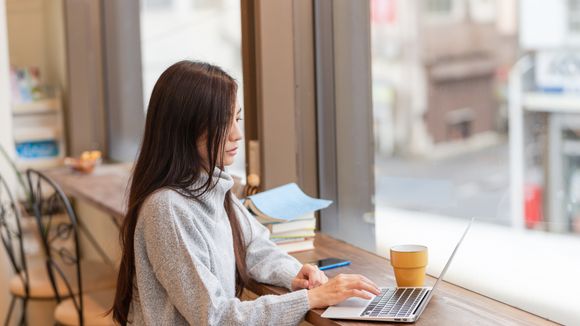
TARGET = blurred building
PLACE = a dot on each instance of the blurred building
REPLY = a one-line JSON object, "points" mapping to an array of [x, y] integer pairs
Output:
{"points": [[436, 66]]}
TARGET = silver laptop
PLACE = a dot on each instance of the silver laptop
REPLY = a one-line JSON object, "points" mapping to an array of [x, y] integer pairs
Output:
{"points": [[393, 304]]}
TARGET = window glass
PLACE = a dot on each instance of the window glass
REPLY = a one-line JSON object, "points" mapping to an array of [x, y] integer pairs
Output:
{"points": [[205, 30], [469, 122], [439, 6], [574, 16], [440, 107]]}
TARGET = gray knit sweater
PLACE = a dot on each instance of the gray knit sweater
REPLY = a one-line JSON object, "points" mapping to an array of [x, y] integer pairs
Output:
{"points": [[185, 265]]}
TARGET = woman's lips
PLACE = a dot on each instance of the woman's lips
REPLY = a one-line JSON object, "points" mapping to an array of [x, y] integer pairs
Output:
{"points": [[232, 151]]}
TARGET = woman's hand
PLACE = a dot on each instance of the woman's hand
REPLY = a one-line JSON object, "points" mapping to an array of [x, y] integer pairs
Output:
{"points": [[308, 277], [340, 288]]}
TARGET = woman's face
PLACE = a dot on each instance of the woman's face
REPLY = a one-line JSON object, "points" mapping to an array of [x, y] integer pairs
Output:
{"points": [[234, 135], [231, 146]]}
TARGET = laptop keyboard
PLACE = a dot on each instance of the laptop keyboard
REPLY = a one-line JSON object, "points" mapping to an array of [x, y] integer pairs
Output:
{"points": [[394, 302]]}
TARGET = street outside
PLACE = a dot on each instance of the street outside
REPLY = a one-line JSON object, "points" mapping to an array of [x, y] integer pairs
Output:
{"points": [[468, 185]]}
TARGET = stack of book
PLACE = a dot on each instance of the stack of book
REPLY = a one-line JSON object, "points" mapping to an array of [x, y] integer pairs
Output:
{"points": [[289, 215]]}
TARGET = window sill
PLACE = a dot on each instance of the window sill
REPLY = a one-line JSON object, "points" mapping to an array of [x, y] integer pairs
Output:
{"points": [[531, 270]]}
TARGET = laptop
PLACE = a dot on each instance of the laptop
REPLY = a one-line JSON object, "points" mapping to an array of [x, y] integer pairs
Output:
{"points": [[393, 304]]}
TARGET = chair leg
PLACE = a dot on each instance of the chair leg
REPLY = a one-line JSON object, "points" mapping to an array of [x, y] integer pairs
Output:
{"points": [[24, 306], [7, 320]]}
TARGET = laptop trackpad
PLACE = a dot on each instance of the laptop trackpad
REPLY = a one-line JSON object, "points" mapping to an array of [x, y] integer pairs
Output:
{"points": [[352, 307], [353, 303]]}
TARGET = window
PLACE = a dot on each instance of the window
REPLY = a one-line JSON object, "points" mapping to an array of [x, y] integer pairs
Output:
{"points": [[574, 16], [157, 4], [435, 12], [483, 11], [452, 142], [439, 6], [174, 30]]}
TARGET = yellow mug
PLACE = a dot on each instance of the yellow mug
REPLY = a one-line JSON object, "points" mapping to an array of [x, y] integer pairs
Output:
{"points": [[409, 262]]}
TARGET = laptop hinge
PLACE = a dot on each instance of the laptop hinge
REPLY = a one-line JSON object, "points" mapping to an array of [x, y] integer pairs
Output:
{"points": [[421, 303]]}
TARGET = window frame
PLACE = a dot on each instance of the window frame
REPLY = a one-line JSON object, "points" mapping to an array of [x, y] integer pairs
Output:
{"points": [[344, 120]]}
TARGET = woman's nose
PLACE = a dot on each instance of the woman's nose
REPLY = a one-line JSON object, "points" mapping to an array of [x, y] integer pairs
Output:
{"points": [[236, 133]]}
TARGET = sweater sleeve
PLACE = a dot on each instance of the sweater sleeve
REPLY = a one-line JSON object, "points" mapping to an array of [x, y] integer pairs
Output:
{"points": [[266, 262], [179, 257]]}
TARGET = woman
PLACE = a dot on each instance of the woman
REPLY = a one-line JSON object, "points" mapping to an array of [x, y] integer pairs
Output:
{"points": [[189, 246]]}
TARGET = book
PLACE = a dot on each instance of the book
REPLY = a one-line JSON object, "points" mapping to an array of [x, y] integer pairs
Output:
{"points": [[286, 240], [302, 224], [293, 234], [283, 204], [290, 247], [267, 220]]}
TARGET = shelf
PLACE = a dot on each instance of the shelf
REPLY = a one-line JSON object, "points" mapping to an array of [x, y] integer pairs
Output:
{"points": [[38, 133], [39, 163], [550, 102], [50, 105]]}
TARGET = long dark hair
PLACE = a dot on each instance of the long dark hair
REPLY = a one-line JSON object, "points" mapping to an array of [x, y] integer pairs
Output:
{"points": [[190, 101]]}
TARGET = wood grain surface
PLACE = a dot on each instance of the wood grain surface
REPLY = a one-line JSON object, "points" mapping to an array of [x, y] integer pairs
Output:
{"points": [[450, 305], [106, 189]]}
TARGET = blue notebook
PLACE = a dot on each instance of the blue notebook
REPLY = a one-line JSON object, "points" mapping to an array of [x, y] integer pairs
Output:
{"points": [[283, 204]]}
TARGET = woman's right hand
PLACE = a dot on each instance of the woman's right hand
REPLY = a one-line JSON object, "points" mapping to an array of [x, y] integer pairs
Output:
{"points": [[340, 288]]}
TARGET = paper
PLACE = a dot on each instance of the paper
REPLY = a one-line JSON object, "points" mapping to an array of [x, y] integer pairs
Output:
{"points": [[287, 202]]}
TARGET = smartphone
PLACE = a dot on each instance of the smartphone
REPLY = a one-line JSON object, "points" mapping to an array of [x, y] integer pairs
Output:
{"points": [[328, 263]]}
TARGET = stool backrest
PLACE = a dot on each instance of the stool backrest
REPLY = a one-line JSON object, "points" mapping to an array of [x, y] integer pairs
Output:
{"points": [[58, 225], [11, 233]]}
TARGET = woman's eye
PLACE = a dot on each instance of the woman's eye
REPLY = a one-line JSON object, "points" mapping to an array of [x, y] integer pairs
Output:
{"points": [[239, 119]]}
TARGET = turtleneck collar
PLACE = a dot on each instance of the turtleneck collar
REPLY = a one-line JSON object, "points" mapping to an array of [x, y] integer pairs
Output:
{"points": [[221, 183]]}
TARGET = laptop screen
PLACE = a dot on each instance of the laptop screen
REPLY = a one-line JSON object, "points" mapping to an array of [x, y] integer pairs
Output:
{"points": [[452, 255]]}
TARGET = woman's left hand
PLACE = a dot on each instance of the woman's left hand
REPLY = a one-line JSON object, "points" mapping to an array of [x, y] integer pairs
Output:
{"points": [[308, 277]]}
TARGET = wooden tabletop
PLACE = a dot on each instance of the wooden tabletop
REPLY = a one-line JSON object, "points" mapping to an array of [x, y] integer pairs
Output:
{"points": [[450, 305], [106, 189]]}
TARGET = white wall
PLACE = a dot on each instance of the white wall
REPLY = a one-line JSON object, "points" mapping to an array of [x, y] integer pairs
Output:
{"points": [[22, 52], [25, 23], [5, 111], [36, 34], [6, 141]]}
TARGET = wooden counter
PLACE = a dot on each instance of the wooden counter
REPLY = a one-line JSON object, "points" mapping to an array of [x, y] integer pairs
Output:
{"points": [[106, 188], [451, 305]]}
